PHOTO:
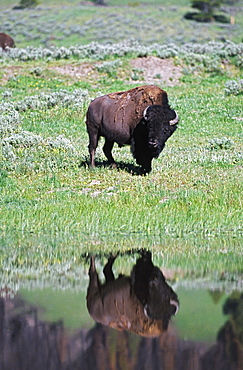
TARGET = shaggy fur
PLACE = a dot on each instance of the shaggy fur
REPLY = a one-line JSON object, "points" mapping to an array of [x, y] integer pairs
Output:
{"points": [[142, 303], [6, 41], [118, 117]]}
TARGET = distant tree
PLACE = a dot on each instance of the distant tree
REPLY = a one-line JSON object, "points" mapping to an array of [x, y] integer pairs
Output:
{"points": [[207, 10], [207, 6]]}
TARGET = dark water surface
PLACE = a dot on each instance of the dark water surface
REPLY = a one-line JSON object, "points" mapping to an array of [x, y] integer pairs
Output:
{"points": [[124, 322]]}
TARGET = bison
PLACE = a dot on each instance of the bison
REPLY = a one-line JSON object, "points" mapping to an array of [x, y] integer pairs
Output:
{"points": [[140, 117], [6, 41], [142, 303]]}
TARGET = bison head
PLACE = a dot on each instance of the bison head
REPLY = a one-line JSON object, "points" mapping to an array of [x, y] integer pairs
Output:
{"points": [[160, 122], [149, 137], [162, 301], [159, 300]]}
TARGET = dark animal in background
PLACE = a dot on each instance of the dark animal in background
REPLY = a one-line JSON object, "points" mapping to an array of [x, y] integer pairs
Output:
{"points": [[6, 41], [142, 303], [140, 117]]}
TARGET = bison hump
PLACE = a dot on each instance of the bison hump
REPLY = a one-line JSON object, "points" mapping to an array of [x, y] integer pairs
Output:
{"points": [[151, 93], [129, 105]]}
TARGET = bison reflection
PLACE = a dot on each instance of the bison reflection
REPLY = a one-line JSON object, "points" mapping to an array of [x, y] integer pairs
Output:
{"points": [[142, 303]]}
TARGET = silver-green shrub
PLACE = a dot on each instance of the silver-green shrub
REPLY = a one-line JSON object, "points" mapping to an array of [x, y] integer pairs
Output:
{"points": [[9, 119], [234, 87], [24, 139], [108, 67], [64, 98], [22, 150], [98, 51], [221, 143]]}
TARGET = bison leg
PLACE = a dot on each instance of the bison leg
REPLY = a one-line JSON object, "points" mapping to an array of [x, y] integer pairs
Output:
{"points": [[109, 276], [93, 143], [107, 148]]}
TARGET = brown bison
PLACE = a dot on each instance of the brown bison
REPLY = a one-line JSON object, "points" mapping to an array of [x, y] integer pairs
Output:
{"points": [[142, 303], [140, 117], [6, 41]]}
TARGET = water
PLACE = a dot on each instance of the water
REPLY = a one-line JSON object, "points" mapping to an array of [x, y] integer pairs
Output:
{"points": [[48, 328]]}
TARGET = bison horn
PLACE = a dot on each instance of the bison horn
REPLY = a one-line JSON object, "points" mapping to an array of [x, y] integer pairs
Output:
{"points": [[176, 304], [175, 120], [144, 113]]}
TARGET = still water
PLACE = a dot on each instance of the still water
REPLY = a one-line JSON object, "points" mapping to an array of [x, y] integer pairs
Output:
{"points": [[136, 320]]}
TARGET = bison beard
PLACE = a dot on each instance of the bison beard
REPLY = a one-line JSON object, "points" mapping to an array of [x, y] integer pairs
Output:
{"points": [[140, 117]]}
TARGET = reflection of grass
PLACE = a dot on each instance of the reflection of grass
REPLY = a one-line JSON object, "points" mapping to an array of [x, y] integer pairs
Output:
{"points": [[56, 258]]}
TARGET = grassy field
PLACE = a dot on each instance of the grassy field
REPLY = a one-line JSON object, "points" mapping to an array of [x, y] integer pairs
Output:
{"points": [[54, 209], [65, 23]]}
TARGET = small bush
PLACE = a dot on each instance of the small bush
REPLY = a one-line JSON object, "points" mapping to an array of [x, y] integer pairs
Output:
{"points": [[220, 143], [239, 61], [221, 18], [24, 139], [200, 17], [134, 3], [210, 64], [108, 67], [233, 87], [206, 17], [37, 71], [9, 119], [3, 177], [28, 3], [7, 94]]}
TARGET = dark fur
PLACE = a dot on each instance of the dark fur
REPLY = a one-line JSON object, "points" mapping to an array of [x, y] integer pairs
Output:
{"points": [[118, 117], [150, 135], [6, 41], [141, 302]]}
